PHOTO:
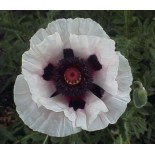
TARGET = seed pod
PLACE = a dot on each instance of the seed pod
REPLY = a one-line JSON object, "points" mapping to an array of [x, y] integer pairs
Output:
{"points": [[139, 97]]}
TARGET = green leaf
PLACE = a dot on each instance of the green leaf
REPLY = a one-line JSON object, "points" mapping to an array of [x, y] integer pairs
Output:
{"points": [[5, 135], [136, 126]]}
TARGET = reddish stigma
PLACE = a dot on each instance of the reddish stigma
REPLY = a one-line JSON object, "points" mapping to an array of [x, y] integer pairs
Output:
{"points": [[72, 76]]}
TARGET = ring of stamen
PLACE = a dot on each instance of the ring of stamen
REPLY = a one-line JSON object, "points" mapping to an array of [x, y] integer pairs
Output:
{"points": [[72, 76]]}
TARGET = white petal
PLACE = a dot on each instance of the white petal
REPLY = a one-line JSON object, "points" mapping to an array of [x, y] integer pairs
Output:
{"points": [[99, 123], [42, 91], [40, 55], [117, 103], [33, 62], [115, 106], [85, 118], [38, 86], [124, 78], [93, 107], [71, 115], [81, 120], [38, 37], [40, 119], [78, 26], [106, 77], [103, 48], [57, 103], [50, 48]]}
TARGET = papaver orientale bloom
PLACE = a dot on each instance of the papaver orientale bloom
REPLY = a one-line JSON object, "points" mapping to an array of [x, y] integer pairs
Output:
{"points": [[72, 79]]}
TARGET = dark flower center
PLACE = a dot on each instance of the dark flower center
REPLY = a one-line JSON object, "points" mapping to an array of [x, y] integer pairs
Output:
{"points": [[73, 77]]}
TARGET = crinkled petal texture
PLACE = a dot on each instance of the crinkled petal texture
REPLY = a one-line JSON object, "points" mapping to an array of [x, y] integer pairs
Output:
{"points": [[65, 27], [40, 119], [53, 116]]}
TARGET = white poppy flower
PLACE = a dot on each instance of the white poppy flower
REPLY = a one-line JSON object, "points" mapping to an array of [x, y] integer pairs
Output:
{"points": [[72, 79]]}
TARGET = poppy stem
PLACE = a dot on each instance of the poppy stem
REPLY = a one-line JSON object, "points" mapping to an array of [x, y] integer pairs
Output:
{"points": [[45, 139]]}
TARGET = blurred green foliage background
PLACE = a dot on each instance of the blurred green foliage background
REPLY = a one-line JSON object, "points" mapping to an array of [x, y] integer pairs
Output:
{"points": [[134, 33]]}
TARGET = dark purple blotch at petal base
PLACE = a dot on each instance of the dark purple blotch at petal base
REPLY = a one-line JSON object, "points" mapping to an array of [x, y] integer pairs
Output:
{"points": [[48, 70], [68, 53], [94, 63], [55, 94], [96, 90], [77, 103]]}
